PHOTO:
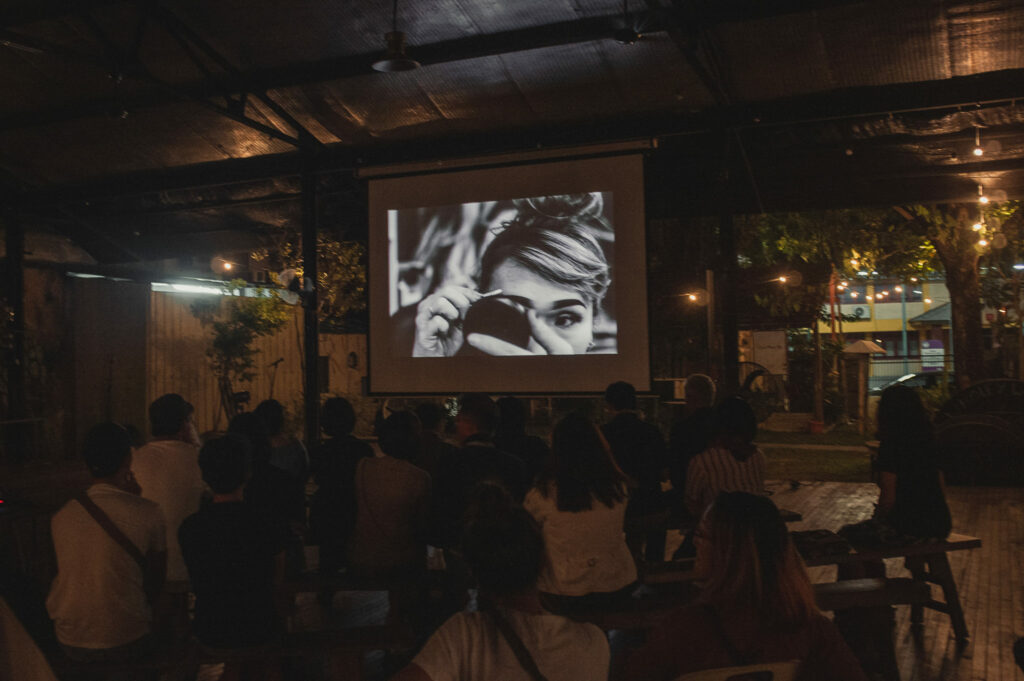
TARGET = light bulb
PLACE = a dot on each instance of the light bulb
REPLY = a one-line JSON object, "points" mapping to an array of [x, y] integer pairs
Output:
{"points": [[928, 300], [854, 294], [913, 279], [982, 199], [899, 289], [227, 266], [782, 279], [978, 151], [982, 242], [976, 226], [692, 297]]}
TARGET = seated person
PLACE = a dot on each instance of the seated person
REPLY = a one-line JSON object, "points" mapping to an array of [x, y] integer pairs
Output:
{"points": [[511, 436], [234, 560], [691, 434], [639, 450], [166, 469], [434, 447], [393, 498], [277, 497], [757, 604], [580, 502], [332, 511], [286, 452], [911, 500], [732, 463], [505, 550], [479, 460], [109, 574]]}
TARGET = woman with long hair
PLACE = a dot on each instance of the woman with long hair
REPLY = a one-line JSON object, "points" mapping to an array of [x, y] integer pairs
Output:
{"points": [[541, 282], [579, 501], [911, 499], [756, 605]]}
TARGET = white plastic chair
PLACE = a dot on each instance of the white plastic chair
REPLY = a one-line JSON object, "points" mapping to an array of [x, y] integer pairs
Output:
{"points": [[780, 671]]}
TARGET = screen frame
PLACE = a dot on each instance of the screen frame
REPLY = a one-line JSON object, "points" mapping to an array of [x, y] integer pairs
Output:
{"points": [[390, 373]]}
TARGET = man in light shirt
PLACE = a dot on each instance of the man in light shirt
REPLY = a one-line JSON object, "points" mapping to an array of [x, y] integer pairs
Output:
{"points": [[167, 468], [101, 600]]}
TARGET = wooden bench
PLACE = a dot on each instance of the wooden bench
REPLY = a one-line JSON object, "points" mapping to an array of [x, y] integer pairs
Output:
{"points": [[928, 564], [870, 593]]}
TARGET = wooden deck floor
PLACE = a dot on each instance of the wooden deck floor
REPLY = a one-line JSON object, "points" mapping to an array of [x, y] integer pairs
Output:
{"points": [[990, 579]]}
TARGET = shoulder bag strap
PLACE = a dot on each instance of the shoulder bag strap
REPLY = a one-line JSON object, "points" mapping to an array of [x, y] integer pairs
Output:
{"points": [[113, 530], [516, 644]]}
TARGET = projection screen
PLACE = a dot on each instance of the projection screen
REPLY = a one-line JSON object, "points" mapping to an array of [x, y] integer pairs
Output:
{"points": [[525, 279]]}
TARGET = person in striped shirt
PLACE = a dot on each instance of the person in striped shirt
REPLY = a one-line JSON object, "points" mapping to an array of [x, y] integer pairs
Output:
{"points": [[732, 463]]}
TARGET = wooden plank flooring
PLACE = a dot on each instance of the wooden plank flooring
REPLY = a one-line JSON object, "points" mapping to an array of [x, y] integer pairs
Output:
{"points": [[990, 579]]}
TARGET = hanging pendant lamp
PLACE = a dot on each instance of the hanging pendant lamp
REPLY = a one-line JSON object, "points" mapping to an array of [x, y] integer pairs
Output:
{"points": [[394, 58]]}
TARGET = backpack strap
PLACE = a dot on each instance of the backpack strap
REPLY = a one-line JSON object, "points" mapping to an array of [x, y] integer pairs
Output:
{"points": [[104, 521], [515, 643]]}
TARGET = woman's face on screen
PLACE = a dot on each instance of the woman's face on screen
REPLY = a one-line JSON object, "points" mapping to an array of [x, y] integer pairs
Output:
{"points": [[563, 309]]}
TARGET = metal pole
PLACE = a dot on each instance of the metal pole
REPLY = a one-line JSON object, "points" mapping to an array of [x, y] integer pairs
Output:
{"points": [[903, 307], [311, 325]]}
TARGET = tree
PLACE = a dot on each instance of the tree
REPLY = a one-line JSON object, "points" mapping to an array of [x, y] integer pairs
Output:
{"points": [[236, 321], [1002, 281], [341, 271], [949, 229]]}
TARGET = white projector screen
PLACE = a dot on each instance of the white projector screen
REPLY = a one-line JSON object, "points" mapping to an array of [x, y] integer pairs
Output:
{"points": [[523, 279]]}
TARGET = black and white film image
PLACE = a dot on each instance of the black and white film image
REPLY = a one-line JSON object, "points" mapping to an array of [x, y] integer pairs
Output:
{"points": [[530, 276]]}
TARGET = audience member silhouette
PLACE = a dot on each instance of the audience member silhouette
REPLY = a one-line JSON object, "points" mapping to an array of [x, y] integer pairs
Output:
{"points": [[691, 434], [332, 511], [274, 495], [639, 449], [732, 463], [505, 550], [479, 460], [511, 436], [111, 557], [911, 499], [757, 604], [234, 559], [580, 504], [167, 468], [286, 452], [393, 501], [433, 446]]}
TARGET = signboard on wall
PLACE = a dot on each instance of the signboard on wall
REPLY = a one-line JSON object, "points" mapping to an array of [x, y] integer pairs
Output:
{"points": [[770, 351], [933, 355]]}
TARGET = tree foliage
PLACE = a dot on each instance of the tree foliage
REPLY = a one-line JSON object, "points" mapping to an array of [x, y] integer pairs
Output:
{"points": [[235, 322], [341, 271]]}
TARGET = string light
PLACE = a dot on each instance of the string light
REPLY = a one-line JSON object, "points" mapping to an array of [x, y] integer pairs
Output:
{"points": [[899, 289], [854, 294], [982, 199], [978, 151]]}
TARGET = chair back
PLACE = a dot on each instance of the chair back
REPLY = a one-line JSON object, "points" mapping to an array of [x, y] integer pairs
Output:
{"points": [[769, 671]]}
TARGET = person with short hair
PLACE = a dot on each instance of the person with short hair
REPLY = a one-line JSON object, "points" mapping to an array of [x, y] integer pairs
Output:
{"points": [[757, 604], [102, 598], [434, 446], [478, 460], [732, 463], [546, 268], [512, 437], [691, 434], [393, 501], [504, 549], [332, 510], [234, 558], [639, 450], [167, 468], [580, 501]]}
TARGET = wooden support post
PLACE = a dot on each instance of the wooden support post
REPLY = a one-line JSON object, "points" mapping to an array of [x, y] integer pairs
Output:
{"points": [[726, 289], [311, 325]]}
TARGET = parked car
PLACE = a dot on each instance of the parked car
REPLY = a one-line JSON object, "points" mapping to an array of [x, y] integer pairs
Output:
{"points": [[923, 379]]}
